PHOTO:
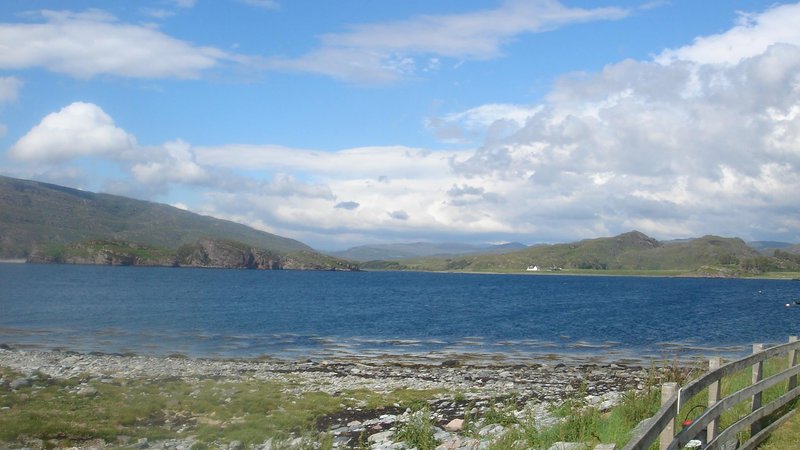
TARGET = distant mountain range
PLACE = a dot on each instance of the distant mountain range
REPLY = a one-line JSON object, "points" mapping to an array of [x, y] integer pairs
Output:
{"points": [[52, 223], [388, 252]]}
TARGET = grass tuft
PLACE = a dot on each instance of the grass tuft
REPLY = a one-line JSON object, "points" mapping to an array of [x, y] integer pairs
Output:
{"points": [[418, 431]]}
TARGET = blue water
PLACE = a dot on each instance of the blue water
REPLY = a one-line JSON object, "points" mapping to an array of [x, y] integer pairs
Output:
{"points": [[289, 314]]}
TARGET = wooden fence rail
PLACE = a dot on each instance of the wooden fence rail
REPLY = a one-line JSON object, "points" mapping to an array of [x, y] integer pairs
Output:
{"points": [[706, 426]]}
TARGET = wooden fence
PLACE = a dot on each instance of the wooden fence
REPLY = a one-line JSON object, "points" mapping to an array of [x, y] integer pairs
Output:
{"points": [[706, 427]]}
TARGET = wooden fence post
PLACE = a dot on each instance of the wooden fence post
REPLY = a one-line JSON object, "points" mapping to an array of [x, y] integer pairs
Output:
{"points": [[792, 363], [713, 397], [668, 433], [758, 373]]}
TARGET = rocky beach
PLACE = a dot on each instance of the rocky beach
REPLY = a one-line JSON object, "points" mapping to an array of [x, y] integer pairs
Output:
{"points": [[457, 391]]}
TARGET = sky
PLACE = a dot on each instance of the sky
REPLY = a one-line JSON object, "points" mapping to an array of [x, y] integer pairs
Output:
{"points": [[349, 122]]}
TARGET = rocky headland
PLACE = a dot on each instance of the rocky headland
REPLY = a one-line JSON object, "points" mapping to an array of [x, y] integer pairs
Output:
{"points": [[463, 390], [205, 252]]}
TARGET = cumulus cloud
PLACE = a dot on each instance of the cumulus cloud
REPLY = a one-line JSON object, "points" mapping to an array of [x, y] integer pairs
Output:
{"points": [[750, 37], [491, 121], [675, 147], [172, 162], [91, 43], [386, 52], [79, 129]]}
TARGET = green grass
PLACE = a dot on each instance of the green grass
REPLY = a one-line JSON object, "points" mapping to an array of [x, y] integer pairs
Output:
{"points": [[418, 431], [219, 411], [212, 410], [787, 436]]}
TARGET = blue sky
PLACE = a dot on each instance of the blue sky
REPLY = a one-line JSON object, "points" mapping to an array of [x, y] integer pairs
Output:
{"points": [[351, 122]]}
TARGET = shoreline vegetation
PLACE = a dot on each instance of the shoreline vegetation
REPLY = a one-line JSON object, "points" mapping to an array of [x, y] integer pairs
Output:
{"points": [[666, 273], [58, 399], [62, 398]]}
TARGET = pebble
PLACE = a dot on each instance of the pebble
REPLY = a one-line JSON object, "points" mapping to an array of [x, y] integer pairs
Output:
{"points": [[534, 388], [19, 383], [454, 425]]}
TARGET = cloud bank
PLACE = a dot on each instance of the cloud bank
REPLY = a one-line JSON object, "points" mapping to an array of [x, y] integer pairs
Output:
{"points": [[681, 145]]}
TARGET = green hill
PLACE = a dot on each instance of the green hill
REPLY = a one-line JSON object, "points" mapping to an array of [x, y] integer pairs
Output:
{"points": [[35, 214], [632, 251]]}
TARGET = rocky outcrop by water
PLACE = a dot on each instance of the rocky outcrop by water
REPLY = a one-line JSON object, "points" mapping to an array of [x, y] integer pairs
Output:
{"points": [[207, 252], [521, 390]]}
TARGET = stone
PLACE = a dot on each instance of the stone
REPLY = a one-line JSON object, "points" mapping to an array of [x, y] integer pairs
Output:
{"points": [[19, 383], [235, 445], [88, 390], [441, 435], [569, 446], [69, 361], [605, 447], [454, 425], [494, 429], [383, 436], [341, 441]]}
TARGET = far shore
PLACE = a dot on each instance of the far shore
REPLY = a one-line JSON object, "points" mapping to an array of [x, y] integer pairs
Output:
{"points": [[670, 273]]}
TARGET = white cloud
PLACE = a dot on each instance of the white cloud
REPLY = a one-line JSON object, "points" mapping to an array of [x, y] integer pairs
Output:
{"points": [[750, 37], [364, 162], [386, 52], [491, 121], [80, 129], [173, 162], [92, 43], [674, 149]]}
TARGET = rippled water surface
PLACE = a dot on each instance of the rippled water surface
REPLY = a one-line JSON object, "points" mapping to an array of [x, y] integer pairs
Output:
{"points": [[236, 313]]}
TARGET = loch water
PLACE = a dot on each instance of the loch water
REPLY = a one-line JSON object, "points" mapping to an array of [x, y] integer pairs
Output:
{"points": [[294, 314]]}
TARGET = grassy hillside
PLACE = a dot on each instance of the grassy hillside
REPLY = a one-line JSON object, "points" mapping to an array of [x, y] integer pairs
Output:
{"points": [[633, 252], [34, 214]]}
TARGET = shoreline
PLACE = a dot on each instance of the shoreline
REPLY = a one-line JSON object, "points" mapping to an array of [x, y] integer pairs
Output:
{"points": [[449, 389], [337, 374], [644, 273], [413, 353]]}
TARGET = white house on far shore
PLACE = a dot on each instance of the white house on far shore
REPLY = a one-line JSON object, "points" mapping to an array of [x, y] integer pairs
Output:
{"points": [[532, 269]]}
